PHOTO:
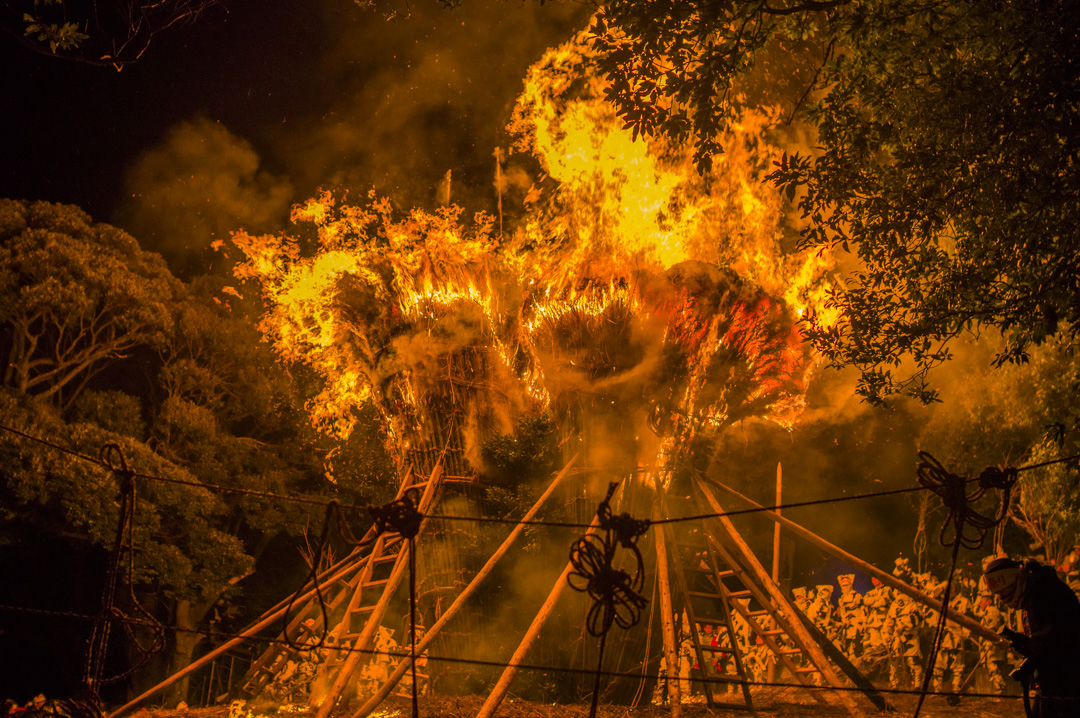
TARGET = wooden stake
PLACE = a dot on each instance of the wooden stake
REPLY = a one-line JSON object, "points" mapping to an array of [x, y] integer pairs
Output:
{"points": [[667, 619], [779, 600], [776, 530], [499, 691], [373, 702]]}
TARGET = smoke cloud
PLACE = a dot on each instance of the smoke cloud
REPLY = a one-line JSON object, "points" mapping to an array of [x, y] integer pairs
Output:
{"points": [[201, 183], [415, 99]]}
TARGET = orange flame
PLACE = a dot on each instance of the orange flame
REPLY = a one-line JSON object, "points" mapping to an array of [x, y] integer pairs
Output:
{"points": [[631, 276]]}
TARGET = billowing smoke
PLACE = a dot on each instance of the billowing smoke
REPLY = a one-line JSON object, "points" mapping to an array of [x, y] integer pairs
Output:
{"points": [[197, 186], [414, 99]]}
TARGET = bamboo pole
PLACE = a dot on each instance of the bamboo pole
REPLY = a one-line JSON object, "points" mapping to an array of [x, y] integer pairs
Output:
{"points": [[497, 694], [776, 530], [780, 601], [667, 619], [886, 578], [266, 621], [373, 702]]}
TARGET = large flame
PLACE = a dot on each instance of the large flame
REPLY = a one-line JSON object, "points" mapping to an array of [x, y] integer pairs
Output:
{"points": [[633, 282]]}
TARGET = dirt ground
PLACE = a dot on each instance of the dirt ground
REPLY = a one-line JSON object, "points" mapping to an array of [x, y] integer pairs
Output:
{"points": [[784, 703]]}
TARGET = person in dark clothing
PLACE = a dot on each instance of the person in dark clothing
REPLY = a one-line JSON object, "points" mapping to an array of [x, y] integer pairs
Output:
{"points": [[1051, 638]]}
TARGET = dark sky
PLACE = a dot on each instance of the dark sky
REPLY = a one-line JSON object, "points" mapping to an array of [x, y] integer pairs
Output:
{"points": [[283, 97], [71, 130]]}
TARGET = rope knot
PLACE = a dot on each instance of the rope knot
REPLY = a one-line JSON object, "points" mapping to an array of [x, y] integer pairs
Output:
{"points": [[112, 456], [994, 478], [954, 495], [626, 529], [400, 516], [616, 592]]}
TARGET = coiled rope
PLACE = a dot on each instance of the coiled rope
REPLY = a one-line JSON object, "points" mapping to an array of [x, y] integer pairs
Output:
{"points": [[954, 493], [615, 593], [112, 457]]}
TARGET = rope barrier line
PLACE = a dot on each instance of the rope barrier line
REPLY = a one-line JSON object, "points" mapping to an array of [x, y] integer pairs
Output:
{"points": [[483, 519], [526, 666], [932, 476]]}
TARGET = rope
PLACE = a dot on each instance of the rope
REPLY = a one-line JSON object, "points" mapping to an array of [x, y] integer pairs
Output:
{"points": [[403, 517], [522, 666], [112, 457], [476, 519], [957, 499], [616, 594], [334, 517]]}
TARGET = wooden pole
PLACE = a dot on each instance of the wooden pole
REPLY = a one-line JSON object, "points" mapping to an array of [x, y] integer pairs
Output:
{"points": [[886, 578], [266, 621], [776, 529], [667, 619], [503, 685], [380, 695], [779, 600]]}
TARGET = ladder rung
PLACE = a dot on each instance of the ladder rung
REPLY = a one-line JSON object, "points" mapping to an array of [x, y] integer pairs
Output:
{"points": [[791, 651], [701, 594], [739, 594], [716, 649], [773, 633], [726, 677], [755, 614], [707, 620], [806, 669]]}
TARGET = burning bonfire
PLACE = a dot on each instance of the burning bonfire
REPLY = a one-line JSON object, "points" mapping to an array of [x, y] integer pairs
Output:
{"points": [[642, 306], [632, 283]]}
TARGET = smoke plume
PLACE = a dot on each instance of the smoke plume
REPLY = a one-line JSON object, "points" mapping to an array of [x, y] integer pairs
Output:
{"points": [[201, 183]]}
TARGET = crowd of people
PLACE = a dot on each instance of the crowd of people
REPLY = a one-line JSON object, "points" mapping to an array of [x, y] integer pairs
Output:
{"points": [[886, 634], [295, 676]]}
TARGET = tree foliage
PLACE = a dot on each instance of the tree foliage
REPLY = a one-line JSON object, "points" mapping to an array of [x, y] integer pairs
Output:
{"points": [[74, 298], [114, 33], [947, 138], [102, 344]]}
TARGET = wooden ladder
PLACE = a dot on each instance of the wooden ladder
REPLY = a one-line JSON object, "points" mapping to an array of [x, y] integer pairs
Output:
{"points": [[356, 599], [749, 591], [698, 576]]}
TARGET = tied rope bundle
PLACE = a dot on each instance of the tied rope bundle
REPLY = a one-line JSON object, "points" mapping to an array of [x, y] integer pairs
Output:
{"points": [[403, 516], [954, 493], [112, 457], [615, 593]]}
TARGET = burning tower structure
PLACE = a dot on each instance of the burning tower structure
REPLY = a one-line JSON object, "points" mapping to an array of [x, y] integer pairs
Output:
{"points": [[644, 306]]}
